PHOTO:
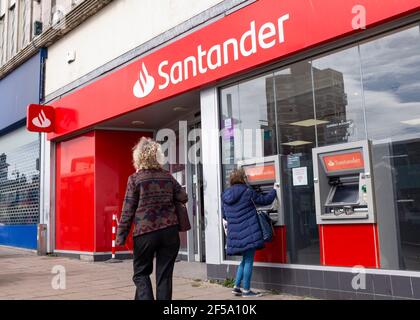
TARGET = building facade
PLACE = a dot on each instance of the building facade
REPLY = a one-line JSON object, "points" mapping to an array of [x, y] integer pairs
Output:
{"points": [[26, 29], [231, 83], [19, 149]]}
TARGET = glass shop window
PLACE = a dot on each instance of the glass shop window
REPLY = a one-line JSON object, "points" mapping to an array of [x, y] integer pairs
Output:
{"points": [[391, 79], [296, 134], [391, 82], [338, 98], [248, 122]]}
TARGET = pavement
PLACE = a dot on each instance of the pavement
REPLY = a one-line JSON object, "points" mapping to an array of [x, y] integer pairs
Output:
{"points": [[26, 276]]}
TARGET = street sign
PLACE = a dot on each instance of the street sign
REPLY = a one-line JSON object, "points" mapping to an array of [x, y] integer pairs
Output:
{"points": [[40, 118]]}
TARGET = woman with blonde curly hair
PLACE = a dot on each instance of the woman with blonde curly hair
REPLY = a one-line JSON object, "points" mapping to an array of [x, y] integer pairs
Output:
{"points": [[149, 203]]}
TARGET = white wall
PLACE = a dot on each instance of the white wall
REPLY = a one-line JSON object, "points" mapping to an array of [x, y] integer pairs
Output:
{"points": [[118, 28]]}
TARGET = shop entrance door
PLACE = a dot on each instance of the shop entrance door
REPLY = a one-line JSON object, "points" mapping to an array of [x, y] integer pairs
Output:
{"points": [[196, 204]]}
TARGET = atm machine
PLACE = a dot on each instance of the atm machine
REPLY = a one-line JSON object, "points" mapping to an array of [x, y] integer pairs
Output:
{"points": [[345, 205], [262, 174]]}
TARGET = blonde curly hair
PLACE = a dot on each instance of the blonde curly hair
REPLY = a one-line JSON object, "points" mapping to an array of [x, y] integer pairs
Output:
{"points": [[147, 154]]}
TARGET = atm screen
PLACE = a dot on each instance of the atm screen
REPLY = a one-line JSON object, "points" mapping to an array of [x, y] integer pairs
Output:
{"points": [[260, 173], [346, 194]]}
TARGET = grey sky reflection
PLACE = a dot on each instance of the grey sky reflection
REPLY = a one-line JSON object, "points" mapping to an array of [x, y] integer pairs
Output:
{"points": [[391, 70]]}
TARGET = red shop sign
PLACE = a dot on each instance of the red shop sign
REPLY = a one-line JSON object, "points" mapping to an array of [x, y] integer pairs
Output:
{"points": [[40, 118], [257, 34]]}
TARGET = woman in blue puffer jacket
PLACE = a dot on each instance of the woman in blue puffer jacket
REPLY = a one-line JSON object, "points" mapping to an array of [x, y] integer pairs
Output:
{"points": [[244, 234]]}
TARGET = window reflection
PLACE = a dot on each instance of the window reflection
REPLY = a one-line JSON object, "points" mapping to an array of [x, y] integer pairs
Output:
{"points": [[19, 185], [248, 122], [257, 114], [391, 78], [295, 108], [338, 98], [296, 127]]}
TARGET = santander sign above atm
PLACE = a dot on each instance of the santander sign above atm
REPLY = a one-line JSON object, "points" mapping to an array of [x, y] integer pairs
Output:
{"points": [[217, 56], [260, 33]]}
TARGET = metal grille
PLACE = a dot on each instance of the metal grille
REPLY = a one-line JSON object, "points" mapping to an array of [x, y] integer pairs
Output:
{"points": [[19, 185]]}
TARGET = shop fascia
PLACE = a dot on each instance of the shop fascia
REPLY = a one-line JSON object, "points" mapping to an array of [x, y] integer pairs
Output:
{"points": [[267, 36]]}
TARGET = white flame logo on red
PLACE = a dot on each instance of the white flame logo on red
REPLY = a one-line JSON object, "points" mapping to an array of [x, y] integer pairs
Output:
{"points": [[145, 84], [41, 121]]}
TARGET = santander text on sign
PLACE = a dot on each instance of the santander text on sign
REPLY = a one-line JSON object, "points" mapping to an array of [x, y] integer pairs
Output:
{"points": [[252, 40]]}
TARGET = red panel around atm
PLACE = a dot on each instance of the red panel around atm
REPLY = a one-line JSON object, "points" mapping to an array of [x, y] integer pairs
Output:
{"points": [[275, 251], [349, 245]]}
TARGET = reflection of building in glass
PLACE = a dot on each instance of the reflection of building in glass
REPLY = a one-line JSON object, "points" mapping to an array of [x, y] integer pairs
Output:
{"points": [[295, 108], [19, 189], [269, 125], [254, 134], [4, 168], [331, 102]]}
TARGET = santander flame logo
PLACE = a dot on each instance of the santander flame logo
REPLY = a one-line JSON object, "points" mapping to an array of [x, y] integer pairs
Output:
{"points": [[41, 121], [145, 85]]}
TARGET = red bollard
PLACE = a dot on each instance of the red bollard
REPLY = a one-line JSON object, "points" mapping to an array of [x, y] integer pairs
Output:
{"points": [[114, 235]]}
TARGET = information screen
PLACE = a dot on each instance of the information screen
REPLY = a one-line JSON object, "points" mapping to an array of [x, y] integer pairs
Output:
{"points": [[346, 194]]}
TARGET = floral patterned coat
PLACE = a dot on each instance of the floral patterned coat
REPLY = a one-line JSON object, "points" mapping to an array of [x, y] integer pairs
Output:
{"points": [[149, 203]]}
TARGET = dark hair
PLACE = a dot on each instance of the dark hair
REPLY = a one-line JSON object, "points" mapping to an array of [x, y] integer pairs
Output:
{"points": [[237, 176]]}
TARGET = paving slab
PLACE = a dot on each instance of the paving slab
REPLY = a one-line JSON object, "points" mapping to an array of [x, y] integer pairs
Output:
{"points": [[26, 276]]}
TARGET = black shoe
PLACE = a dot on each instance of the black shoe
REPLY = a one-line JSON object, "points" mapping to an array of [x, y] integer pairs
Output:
{"points": [[237, 292]]}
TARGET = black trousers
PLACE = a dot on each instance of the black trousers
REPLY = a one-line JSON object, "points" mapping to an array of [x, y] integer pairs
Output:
{"points": [[164, 244]]}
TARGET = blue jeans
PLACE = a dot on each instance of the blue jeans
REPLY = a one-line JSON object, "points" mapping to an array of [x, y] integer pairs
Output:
{"points": [[245, 269]]}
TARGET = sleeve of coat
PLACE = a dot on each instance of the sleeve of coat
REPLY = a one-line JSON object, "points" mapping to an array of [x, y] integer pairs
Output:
{"points": [[264, 199], [179, 193], [131, 201]]}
